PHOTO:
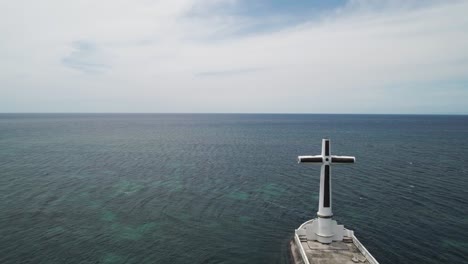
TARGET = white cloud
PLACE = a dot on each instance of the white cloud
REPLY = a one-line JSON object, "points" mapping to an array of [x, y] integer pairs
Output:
{"points": [[157, 56]]}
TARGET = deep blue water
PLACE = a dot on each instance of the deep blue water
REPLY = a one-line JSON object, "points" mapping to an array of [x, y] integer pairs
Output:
{"points": [[181, 188]]}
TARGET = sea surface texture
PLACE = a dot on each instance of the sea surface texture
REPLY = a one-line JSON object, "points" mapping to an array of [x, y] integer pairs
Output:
{"points": [[182, 188]]}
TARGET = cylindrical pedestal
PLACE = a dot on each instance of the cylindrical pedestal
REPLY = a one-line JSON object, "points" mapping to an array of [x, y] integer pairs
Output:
{"points": [[325, 230]]}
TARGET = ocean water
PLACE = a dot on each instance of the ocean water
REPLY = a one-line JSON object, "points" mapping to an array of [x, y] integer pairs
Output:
{"points": [[182, 188]]}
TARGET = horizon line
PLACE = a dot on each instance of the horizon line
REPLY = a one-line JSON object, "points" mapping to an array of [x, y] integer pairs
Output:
{"points": [[243, 113]]}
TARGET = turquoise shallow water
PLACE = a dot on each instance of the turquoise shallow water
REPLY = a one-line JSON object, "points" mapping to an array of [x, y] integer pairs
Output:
{"points": [[170, 188]]}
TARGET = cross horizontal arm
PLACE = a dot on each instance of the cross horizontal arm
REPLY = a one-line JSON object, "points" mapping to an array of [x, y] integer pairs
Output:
{"points": [[342, 159], [310, 159]]}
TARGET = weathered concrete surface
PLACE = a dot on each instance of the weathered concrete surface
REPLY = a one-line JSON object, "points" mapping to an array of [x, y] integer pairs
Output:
{"points": [[295, 254], [335, 253]]}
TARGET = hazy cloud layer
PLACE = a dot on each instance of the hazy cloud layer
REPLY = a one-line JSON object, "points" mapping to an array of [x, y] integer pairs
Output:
{"points": [[359, 56], [85, 57]]}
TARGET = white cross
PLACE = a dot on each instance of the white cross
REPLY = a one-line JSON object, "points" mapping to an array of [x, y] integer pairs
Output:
{"points": [[325, 200]]}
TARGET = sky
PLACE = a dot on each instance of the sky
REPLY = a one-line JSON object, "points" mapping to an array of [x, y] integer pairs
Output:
{"points": [[234, 56]]}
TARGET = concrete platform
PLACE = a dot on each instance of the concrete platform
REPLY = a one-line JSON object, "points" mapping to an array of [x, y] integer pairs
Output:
{"points": [[348, 251], [336, 252]]}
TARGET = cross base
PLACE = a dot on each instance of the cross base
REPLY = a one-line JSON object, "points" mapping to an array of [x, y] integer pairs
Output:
{"points": [[323, 230]]}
